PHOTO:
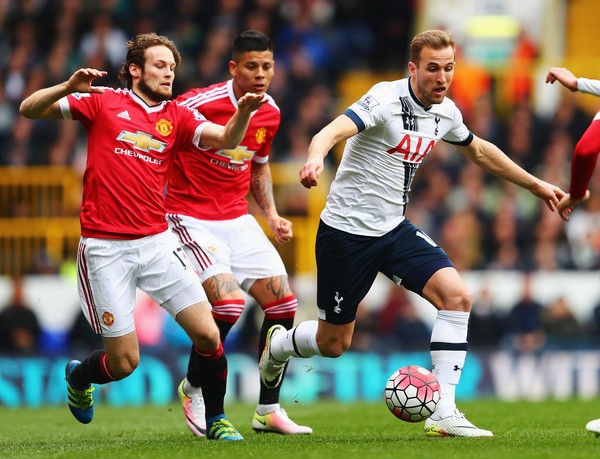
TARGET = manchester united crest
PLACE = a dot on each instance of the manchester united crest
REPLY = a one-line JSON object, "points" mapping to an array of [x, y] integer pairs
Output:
{"points": [[261, 134], [164, 127], [108, 319]]}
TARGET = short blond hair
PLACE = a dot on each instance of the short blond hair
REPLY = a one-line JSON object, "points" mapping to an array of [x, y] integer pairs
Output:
{"points": [[434, 39]]}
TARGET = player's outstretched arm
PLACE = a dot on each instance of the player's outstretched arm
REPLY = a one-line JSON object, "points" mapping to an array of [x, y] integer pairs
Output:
{"points": [[573, 83], [489, 157], [230, 135], [43, 103], [338, 130], [585, 157], [563, 76]]}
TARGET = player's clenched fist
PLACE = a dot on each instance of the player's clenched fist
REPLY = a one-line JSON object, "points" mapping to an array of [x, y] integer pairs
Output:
{"points": [[309, 174]]}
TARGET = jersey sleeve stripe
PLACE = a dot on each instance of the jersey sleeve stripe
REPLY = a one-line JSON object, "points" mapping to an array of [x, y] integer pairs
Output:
{"points": [[202, 98], [65, 109], [356, 119], [467, 141]]}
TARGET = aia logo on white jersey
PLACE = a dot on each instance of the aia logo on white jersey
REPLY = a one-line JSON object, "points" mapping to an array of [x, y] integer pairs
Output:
{"points": [[125, 115], [412, 148]]}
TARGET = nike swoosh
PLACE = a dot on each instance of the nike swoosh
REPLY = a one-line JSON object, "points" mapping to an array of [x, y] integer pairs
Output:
{"points": [[264, 423], [200, 429]]}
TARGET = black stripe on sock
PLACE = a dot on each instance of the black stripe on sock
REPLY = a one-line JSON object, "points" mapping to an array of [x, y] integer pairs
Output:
{"points": [[294, 343], [439, 346]]}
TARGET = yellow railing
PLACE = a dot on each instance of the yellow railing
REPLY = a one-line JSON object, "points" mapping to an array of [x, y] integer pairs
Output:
{"points": [[37, 245], [39, 217], [37, 192]]}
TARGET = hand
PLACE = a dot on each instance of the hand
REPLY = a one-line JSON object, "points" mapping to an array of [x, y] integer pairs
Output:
{"points": [[282, 229], [81, 81], [250, 102], [551, 194], [563, 76], [309, 174], [567, 203]]}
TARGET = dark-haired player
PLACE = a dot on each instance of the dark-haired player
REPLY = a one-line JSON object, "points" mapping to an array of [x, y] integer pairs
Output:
{"points": [[207, 209]]}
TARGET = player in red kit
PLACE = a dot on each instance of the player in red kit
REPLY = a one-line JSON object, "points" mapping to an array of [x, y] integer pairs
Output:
{"points": [[207, 209], [584, 159], [587, 149], [125, 243]]}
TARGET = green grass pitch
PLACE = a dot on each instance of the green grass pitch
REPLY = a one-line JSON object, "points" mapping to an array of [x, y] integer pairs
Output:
{"points": [[522, 430]]}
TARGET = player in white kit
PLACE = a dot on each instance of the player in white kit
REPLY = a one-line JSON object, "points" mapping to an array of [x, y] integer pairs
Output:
{"points": [[208, 211], [363, 229], [125, 243]]}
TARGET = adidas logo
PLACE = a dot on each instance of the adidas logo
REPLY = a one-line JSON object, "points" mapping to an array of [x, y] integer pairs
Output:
{"points": [[124, 115]]}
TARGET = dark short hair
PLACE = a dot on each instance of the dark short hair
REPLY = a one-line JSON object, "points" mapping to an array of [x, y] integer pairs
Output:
{"points": [[136, 50], [434, 39], [250, 40]]}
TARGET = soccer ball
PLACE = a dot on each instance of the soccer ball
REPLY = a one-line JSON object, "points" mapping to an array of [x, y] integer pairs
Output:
{"points": [[412, 393]]}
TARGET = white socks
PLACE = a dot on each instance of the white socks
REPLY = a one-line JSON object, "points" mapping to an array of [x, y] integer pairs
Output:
{"points": [[300, 341], [448, 353], [266, 409]]}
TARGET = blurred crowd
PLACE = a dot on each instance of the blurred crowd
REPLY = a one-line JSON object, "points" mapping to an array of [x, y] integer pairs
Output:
{"points": [[42, 42], [481, 222], [528, 325]]}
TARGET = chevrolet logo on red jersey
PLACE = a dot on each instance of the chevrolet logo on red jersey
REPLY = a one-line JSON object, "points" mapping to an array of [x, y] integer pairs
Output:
{"points": [[238, 156], [142, 141]]}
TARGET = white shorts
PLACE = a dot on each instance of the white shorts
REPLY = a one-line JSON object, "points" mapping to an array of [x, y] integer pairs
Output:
{"points": [[110, 270], [238, 246]]}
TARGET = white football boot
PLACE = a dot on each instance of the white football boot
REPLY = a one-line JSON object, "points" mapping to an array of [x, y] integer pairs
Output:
{"points": [[454, 425], [193, 407], [594, 426], [278, 421], [271, 370]]}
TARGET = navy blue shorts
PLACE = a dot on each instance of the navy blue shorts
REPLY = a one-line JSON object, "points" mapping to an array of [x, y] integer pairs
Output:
{"points": [[347, 265]]}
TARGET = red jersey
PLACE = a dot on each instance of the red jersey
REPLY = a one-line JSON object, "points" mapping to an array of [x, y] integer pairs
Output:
{"points": [[213, 185], [130, 150], [584, 159]]}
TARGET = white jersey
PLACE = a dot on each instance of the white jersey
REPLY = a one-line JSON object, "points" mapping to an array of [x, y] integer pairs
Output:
{"points": [[588, 86], [396, 132]]}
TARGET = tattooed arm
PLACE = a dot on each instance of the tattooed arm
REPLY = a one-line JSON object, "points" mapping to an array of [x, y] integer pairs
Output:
{"points": [[261, 186]]}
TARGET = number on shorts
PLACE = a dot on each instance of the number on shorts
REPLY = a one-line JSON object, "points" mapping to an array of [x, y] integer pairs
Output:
{"points": [[427, 238], [178, 252]]}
